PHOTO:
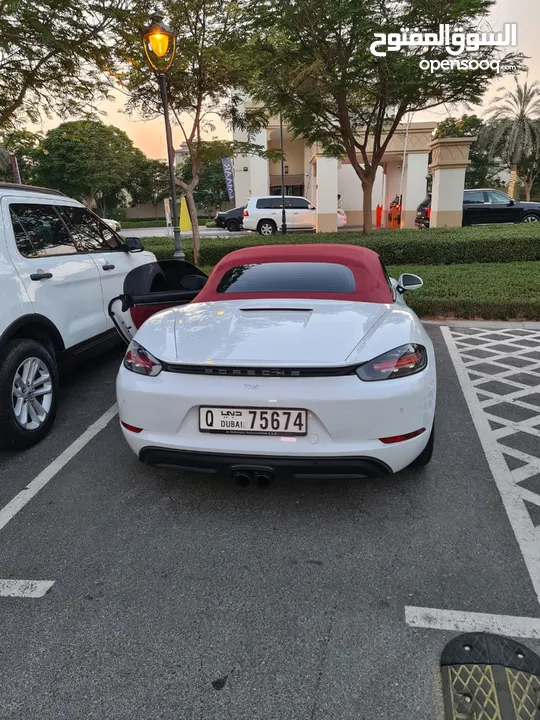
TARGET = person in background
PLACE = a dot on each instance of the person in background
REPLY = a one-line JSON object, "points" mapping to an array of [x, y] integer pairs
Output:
{"points": [[339, 203]]}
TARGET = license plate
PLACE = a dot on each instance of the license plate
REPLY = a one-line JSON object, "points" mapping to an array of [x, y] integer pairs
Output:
{"points": [[253, 421]]}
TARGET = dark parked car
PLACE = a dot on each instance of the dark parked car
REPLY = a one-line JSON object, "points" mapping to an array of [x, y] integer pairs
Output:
{"points": [[485, 207], [231, 220]]}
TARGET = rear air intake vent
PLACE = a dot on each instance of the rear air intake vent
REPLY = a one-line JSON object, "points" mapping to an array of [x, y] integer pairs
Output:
{"points": [[258, 371]]}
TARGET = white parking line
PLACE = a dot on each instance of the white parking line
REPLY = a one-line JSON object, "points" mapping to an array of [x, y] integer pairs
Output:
{"points": [[9, 511], [524, 530], [435, 619], [25, 588]]}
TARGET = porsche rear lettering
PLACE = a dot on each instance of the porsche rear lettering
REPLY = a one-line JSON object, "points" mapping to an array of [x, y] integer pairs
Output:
{"points": [[277, 372]]}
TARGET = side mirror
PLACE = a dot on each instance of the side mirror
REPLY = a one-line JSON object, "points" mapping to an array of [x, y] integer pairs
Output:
{"points": [[134, 244], [311, 207], [408, 281], [512, 202]]}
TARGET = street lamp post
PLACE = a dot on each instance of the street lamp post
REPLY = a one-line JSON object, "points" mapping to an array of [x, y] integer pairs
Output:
{"points": [[159, 45], [283, 213]]}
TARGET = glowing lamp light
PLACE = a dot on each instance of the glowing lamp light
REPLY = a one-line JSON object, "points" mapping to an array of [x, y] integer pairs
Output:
{"points": [[159, 44]]}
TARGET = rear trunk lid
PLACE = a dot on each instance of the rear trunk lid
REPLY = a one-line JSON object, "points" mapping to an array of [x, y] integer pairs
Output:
{"points": [[283, 332]]}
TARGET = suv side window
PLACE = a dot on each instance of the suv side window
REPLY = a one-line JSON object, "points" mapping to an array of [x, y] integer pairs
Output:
{"points": [[497, 197], [39, 231], [473, 198], [88, 232], [269, 203], [296, 203]]}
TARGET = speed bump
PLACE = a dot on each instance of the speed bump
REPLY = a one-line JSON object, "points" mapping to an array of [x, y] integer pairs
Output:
{"points": [[490, 677]]}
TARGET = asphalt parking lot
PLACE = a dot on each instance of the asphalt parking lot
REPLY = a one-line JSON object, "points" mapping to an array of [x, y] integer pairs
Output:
{"points": [[182, 596]]}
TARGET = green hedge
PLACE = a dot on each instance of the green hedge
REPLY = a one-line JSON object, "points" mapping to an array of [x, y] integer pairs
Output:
{"points": [[488, 291], [441, 246]]}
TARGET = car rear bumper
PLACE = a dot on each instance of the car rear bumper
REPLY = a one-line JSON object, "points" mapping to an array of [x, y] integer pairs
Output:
{"points": [[304, 467], [346, 417]]}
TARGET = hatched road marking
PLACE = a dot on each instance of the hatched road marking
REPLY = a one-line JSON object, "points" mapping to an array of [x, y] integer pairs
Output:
{"points": [[527, 535], [499, 374]]}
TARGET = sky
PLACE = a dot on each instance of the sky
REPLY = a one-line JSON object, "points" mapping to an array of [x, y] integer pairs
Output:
{"points": [[149, 136]]}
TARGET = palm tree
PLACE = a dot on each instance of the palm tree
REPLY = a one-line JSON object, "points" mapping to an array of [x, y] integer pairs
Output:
{"points": [[512, 128]]}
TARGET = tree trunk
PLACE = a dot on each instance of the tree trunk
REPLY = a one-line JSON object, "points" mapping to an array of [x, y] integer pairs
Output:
{"points": [[192, 209], [89, 200], [367, 187], [527, 184], [512, 182]]}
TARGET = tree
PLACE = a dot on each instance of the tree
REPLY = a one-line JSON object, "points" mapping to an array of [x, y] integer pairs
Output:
{"points": [[528, 171], [85, 159], [211, 190], [208, 66], [52, 56], [312, 60], [149, 181], [512, 130], [483, 169]]}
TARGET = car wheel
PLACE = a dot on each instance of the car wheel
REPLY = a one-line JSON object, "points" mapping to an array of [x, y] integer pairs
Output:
{"points": [[267, 228], [233, 226], [28, 393], [425, 456], [530, 218]]}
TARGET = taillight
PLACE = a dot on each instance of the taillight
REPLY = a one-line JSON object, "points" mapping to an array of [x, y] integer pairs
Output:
{"points": [[400, 362], [401, 438], [132, 428], [246, 213], [428, 213], [140, 361]]}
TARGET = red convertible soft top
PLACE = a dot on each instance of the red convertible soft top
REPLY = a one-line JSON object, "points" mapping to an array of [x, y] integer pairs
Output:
{"points": [[370, 281]]}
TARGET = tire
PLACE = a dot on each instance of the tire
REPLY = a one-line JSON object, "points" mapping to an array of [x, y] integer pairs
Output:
{"points": [[425, 456], [233, 226], [266, 228], [36, 420], [530, 217]]}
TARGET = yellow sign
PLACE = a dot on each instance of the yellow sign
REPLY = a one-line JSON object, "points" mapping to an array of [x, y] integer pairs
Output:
{"points": [[185, 222]]}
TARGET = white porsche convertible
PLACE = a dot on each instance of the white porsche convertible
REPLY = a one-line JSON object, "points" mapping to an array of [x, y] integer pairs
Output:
{"points": [[298, 359]]}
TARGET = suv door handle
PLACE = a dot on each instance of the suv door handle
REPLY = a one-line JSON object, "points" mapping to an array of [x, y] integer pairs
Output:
{"points": [[40, 275], [108, 267]]}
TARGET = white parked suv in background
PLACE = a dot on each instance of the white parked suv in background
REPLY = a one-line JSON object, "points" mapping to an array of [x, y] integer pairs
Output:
{"points": [[60, 265], [264, 214]]}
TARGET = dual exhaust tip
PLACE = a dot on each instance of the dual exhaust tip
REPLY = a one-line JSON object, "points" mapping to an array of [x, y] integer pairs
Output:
{"points": [[243, 477]]}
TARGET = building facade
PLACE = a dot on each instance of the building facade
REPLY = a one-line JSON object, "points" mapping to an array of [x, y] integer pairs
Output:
{"points": [[403, 172]]}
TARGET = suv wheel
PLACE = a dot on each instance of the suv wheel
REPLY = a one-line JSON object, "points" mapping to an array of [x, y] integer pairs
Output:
{"points": [[530, 218], [267, 228], [28, 393], [233, 226]]}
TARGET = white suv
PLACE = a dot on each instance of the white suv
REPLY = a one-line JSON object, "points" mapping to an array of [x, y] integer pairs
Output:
{"points": [[60, 265], [264, 214]]}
